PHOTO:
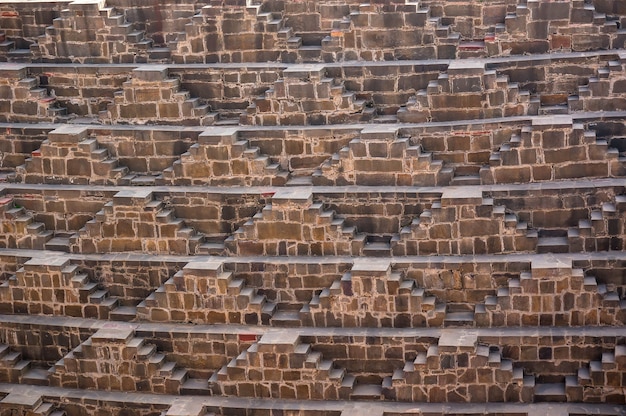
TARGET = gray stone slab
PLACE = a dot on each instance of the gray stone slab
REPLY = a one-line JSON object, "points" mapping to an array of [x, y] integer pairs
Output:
{"points": [[463, 67], [287, 338], [555, 120], [94, 5], [218, 135], [188, 407], [458, 338], [297, 196], [132, 196], [24, 400], [550, 266], [210, 265], [117, 333], [305, 71], [48, 261], [370, 266], [68, 134], [13, 71], [379, 132], [151, 73], [469, 195], [550, 262]]}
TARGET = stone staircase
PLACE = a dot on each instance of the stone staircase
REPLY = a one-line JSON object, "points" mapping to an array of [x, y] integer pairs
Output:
{"points": [[6, 45], [219, 297], [275, 355], [608, 85], [292, 224], [15, 369], [187, 408], [467, 90], [307, 95], [91, 32], [566, 148], [23, 231], [360, 299], [542, 27], [601, 231], [30, 102], [18, 403], [452, 357], [247, 32], [411, 31], [69, 156], [54, 286], [135, 221], [221, 158], [381, 157], [134, 40], [551, 294], [152, 96], [127, 362], [484, 228], [602, 377]]}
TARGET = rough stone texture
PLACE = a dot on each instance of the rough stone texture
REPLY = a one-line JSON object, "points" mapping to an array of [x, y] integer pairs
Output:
{"points": [[294, 225], [316, 208], [152, 96], [467, 91], [53, 286], [135, 221], [220, 158], [113, 359]]}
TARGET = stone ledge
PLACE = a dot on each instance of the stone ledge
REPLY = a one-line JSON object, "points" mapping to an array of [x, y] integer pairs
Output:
{"points": [[336, 408]]}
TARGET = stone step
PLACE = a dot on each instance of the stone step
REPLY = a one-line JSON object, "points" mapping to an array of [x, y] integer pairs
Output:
{"points": [[283, 318], [550, 392], [465, 180], [195, 386], [98, 296], [552, 245], [367, 392], [465, 318], [4, 350], [6, 46], [58, 244], [11, 358], [123, 313], [86, 291], [36, 376], [377, 249]]}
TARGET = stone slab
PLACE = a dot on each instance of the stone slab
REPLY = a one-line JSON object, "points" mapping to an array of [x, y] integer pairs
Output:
{"points": [[550, 266], [369, 266], [557, 120], [13, 71], [24, 400], [204, 267], [48, 261], [379, 132], [114, 333], [151, 73], [462, 196], [218, 135], [68, 134], [458, 339], [93, 5], [466, 67], [305, 71], [132, 197], [297, 196], [279, 341], [186, 408]]}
